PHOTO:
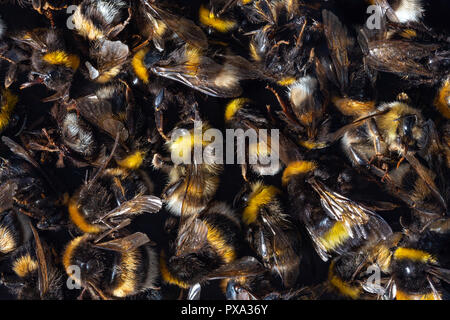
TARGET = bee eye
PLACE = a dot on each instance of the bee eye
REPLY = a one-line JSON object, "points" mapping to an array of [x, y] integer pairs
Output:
{"points": [[52, 74]]}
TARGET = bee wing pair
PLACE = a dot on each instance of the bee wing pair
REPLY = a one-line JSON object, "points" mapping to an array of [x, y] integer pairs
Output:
{"points": [[280, 244], [135, 206], [43, 282], [110, 55], [358, 221], [36, 39], [99, 112], [209, 77], [125, 244], [184, 28], [7, 192], [338, 42]]}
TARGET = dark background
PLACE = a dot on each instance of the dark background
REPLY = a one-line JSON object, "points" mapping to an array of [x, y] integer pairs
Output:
{"points": [[313, 270]]}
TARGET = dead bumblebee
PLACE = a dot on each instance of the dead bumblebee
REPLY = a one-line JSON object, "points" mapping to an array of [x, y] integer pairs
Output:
{"points": [[33, 195], [31, 272], [97, 19], [194, 68], [52, 64], [9, 115], [396, 128], [207, 247], [108, 199], [270, 232], [14, 228], [117, 268], [335, 223], [191, 185]]}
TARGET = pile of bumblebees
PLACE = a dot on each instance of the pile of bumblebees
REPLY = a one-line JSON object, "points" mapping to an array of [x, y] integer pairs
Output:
{"points": [[92, 207]]}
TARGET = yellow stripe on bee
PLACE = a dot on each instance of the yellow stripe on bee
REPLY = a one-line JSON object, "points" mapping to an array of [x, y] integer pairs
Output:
{"points": [[193, 57], [9, 102], [308, 144], [409, 33], [133, 161], [413, 254], [233, 106], [62, 58], [296, 168], [109, 74], [334, 237], [85, 27], [128, 266], [442, 101], [244, 2], [350, 107], [260, 196], [208, 18], [159, 27], [286, 81], [68, 256], [217, 241], [259, 149], [7, 242], [400, 295], [254, 52], [24, 265], [167, 276], [343, 287], [139, 67], [185, 143], [78, 219]]}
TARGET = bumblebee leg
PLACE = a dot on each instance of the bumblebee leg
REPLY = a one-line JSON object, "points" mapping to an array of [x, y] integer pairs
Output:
{"points": [[386, 173], [113, 32], [287, 111], [244, 172], [49, 15], [130, 111], [161, 163], [160, 107]]}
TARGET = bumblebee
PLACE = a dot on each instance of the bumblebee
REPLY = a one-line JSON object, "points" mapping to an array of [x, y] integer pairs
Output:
{"points": [[111, 110], [207, 247], [192, 67], [191, 185], [14, 228], [442, 100], [52, 64], [402, 51], [97, 19], [415, 262], [242, 113], [33, 195], [31, 272], [8, 104], [118, 268], [395, 128], [108, 58], [402, 11], [158, 24], [335, 223], [270, 232], [341, 282], [108, 199], [77, 134], [213, 19]]}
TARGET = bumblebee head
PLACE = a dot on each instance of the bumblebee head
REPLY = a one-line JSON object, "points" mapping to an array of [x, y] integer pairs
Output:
{"points": [[413, 132]]}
